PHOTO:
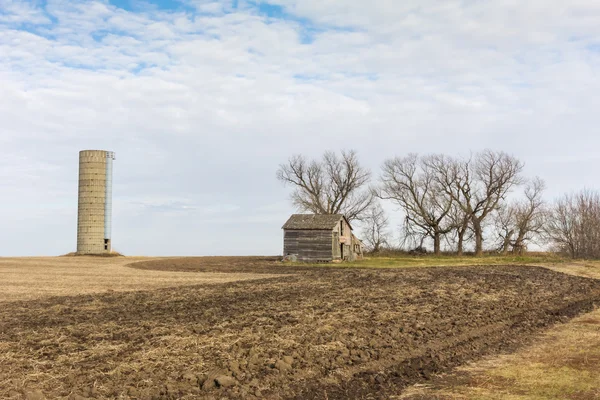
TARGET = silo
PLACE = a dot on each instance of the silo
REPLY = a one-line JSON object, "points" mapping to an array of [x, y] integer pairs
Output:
{"points": [[94, 216]]}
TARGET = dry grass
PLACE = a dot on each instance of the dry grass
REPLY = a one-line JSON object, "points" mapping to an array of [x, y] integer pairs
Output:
{"points": [[449, 260], [588, 269], [31, 278], [564, 363]]}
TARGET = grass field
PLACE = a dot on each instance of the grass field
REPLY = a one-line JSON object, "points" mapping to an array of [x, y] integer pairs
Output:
{"points": [[231, 327], [405, 261]]}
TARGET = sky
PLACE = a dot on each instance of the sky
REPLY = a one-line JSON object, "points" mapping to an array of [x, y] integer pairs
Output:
{"points": [[202, 100]]}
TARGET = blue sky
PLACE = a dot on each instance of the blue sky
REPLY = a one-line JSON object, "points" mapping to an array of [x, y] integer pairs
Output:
{"points": [[203, 99], [134, 5]]}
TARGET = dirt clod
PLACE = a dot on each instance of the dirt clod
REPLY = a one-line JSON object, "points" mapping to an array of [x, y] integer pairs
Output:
{"points": [[225, 381], [288, 360], [34, 395], [282, 366], [209, 384], [234, 367], [190, 378]]}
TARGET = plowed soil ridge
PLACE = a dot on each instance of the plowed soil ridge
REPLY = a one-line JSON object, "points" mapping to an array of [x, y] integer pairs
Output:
{"points": [[314, 333]]}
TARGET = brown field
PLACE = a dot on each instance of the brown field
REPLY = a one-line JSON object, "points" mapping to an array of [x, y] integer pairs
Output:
{"points": [[244, 328], [36, 277]]}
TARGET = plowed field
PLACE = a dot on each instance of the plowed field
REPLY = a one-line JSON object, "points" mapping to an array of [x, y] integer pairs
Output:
{"points": [[334, 333]]}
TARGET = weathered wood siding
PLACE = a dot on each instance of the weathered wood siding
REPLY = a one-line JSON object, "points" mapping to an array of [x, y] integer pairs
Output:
{"points": [[344, 235], [337, 243], [336, 250], [357, 249], [308, 245]]}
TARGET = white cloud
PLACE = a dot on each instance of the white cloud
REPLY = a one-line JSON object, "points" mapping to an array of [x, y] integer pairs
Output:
{"points": [[18, 12], [201, 106]]}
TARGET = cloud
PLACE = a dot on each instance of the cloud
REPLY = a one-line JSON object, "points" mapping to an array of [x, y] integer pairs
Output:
{"points": [[14, 12], [202, 100]]}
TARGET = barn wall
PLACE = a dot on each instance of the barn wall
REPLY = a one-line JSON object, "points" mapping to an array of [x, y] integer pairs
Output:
{"points": [[308, 245], [357, 249], [336, 245], [344, 232]]}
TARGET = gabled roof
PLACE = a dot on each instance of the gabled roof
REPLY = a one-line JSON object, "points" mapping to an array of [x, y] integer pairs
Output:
{"points": [[314, 221]]}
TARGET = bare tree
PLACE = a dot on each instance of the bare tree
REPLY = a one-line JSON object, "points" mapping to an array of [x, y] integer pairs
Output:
{"points": [[411, 183], [530, 215], [462, 223], [505, 226], [332, 185], [573, 224], [375, 232], [446, 170], [561, 228], [412, 238], [520, 223], [478, 185]]}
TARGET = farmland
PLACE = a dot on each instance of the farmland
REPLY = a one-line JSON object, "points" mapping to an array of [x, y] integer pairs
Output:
{"points": [[36, 277], [219, 327]]}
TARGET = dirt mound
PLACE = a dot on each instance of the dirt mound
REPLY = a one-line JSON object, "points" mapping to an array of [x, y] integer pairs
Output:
{"points": [[322, 333], [111, 254]]}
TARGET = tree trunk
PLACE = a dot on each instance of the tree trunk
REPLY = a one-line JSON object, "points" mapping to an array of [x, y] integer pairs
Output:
{"points": [[519, 247], [478, 238], [506, 243], [461, 237], [436, 244]]}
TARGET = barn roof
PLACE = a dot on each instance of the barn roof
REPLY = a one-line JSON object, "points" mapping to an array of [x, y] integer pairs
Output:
{"points": [[314, 221]]}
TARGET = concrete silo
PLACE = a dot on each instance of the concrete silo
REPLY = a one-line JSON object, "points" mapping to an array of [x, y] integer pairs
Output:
{"points": [[94, 215]]}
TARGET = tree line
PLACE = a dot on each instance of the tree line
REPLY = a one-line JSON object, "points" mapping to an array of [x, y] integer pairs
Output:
{"points": [[481, 201]]}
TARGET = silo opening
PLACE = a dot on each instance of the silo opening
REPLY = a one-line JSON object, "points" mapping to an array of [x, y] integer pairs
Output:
{"points": [[106, 244]]}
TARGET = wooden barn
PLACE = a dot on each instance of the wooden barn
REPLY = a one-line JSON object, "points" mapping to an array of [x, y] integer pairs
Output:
{"points": [[312, 237]]}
